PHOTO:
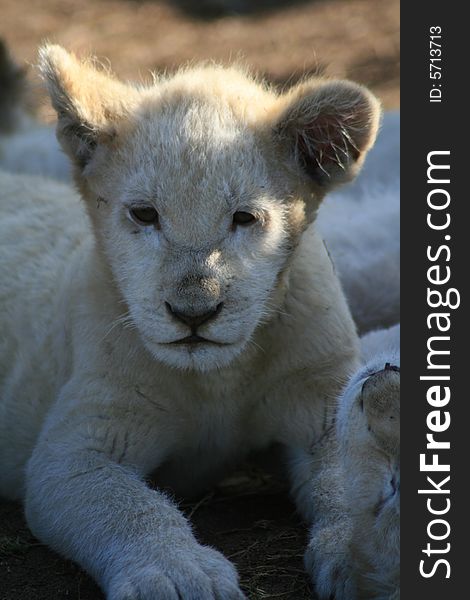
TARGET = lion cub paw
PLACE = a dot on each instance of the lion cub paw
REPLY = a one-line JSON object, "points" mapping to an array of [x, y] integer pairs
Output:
{"points": [[199, 574], [327, 563]]}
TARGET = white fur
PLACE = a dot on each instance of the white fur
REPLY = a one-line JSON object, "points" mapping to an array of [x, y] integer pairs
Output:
{"points": [[354, 498], [361, 228], [94, 397], [360, 223]]}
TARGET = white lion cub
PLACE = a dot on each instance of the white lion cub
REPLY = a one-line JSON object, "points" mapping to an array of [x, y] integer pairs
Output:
{"points": [[181, 314], [354, 550]]}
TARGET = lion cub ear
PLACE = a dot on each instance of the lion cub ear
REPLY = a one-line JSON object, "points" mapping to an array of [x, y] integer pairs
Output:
{"points": [[89, 102], [328, 127]]}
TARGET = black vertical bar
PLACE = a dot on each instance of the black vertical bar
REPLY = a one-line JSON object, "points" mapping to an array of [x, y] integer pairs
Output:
{"points": [[435, 118]]}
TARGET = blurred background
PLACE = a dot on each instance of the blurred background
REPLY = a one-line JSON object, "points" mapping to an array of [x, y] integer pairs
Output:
{"points": [[281, 39]]}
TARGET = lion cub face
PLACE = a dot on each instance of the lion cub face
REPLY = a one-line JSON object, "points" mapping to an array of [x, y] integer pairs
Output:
{"points": [[196, 232], [199, 188]]}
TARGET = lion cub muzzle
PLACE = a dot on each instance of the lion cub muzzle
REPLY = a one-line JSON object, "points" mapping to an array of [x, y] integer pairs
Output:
{"points": [[193, 319]]}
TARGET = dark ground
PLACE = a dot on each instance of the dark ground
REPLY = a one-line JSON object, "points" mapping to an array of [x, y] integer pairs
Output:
{"points": [[256, 528], [358, 39]]}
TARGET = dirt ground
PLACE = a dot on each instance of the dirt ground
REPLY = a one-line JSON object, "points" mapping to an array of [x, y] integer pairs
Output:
{"points": [[255, 525], [283, 40]]}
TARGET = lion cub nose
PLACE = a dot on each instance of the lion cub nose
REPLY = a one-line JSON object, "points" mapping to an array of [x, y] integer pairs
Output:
{"points": [[193, 320]]}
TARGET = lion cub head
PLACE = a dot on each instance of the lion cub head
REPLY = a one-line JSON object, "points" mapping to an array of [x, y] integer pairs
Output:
{"points": [[199, 188], [368, 431]]}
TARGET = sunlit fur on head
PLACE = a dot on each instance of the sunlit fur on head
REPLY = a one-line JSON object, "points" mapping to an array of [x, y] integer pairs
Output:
{"points": [[198, 147], [368, 435]]}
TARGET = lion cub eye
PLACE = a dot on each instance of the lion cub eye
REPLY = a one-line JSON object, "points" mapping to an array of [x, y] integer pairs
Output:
{"points": [[243, 218], [144, 215]]}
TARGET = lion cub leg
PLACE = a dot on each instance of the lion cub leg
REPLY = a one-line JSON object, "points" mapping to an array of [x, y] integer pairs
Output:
{"points": [[86, 498]]}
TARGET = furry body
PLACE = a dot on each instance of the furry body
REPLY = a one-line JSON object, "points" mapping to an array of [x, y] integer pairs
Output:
{"points": [[182, 313], [94, 414], [361, 227], [354, 497], [69, 316]]}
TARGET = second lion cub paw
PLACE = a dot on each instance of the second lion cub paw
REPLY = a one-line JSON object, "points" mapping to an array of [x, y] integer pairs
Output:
{"points": [[330, 569]]}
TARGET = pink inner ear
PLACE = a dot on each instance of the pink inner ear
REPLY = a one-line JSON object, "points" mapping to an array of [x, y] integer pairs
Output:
{"points": [[324, 146]]}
